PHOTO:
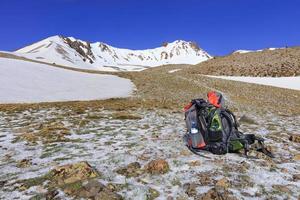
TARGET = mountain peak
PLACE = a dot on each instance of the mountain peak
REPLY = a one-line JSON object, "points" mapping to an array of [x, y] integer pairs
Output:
{"points": [[73, 52]]}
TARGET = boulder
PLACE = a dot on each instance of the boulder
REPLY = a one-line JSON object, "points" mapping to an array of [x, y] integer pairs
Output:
{"points": [[158, 166], [72, 173]]}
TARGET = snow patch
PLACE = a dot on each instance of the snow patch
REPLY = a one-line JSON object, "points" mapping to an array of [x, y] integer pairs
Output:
{"points": [[27, 82], [282, 82], [249, 51], [174, 70]]}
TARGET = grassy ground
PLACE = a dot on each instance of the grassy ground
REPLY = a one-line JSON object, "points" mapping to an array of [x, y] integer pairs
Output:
{"points": [[276, 63], [157, 88], [112, 133]]}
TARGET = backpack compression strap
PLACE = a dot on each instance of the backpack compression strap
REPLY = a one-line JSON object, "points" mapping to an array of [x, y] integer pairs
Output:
{"points": [[262, 147], [248, 139], [195, 151]]}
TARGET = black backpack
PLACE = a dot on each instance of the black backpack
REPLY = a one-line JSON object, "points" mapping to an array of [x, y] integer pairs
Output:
{"points": [[215, 129]]}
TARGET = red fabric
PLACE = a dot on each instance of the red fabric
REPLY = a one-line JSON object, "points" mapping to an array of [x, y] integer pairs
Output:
{"points": [[201, 145], [187, 107], [213, 99]]}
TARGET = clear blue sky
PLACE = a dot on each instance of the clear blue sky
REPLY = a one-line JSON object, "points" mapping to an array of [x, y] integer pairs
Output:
{"points": [[218, 26]]}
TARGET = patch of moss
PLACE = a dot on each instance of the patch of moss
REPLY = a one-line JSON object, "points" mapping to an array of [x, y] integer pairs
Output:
{"points": [[73, 186], [125, 116], [27, 183], [152, 194]]}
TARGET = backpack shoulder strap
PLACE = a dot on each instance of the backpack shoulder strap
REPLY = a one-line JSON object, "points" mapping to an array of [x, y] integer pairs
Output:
{"points": [[234, 123]]}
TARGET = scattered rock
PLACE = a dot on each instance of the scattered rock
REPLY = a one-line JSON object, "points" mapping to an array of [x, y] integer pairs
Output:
{"points": [[158, 166], [294, 138], [51, 194], [144, 157], [296, 177], [72, 173], [241, 181], [185, 152], [205, 179], [194, 163], [131, 170], [92, 189], [223, 183], [24, 163], [217, 194], [115, 187], [282, 188], [297, 157], [2, 183], [246, 194], [76, 180], [190, 189]]}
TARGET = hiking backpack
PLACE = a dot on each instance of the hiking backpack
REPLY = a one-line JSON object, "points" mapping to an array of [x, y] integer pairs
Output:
{"points": [[212, 127]]}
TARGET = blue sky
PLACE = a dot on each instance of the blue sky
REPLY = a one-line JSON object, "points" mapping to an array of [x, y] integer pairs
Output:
{"points": [[218, 26]]}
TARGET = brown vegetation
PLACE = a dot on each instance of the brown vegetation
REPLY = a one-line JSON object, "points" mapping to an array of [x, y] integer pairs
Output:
{"points": [[275, 63]]}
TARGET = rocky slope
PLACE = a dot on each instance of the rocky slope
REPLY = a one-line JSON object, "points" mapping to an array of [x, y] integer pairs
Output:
{"points": [[67, 153], [69, 51], [270, 62]]}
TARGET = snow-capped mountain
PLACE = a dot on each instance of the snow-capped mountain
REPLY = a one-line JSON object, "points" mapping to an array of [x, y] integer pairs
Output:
{"points": [[72, 52]]}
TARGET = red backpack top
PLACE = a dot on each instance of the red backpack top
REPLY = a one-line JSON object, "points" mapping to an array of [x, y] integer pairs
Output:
{"points": [[215, 98]]}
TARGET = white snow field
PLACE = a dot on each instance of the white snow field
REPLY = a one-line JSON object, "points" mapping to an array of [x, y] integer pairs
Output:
{"points": [[282, 82], [28, 82]]}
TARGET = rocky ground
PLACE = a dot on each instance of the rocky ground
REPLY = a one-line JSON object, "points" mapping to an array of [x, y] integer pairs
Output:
{"points": [[132, 148], [138, 154]]}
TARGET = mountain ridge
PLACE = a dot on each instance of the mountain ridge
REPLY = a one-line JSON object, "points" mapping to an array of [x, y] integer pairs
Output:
{"points": [[99, 55]]}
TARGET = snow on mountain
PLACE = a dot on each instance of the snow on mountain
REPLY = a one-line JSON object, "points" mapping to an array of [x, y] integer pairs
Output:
{"points": [[72, 52], [28, 82]]}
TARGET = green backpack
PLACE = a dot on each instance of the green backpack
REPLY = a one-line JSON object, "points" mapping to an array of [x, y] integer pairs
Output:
{"points": [[215, 129]]}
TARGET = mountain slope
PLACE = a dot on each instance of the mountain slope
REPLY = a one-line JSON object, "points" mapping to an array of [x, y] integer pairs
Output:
{"points": [[69, 51], [281, 62]]}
